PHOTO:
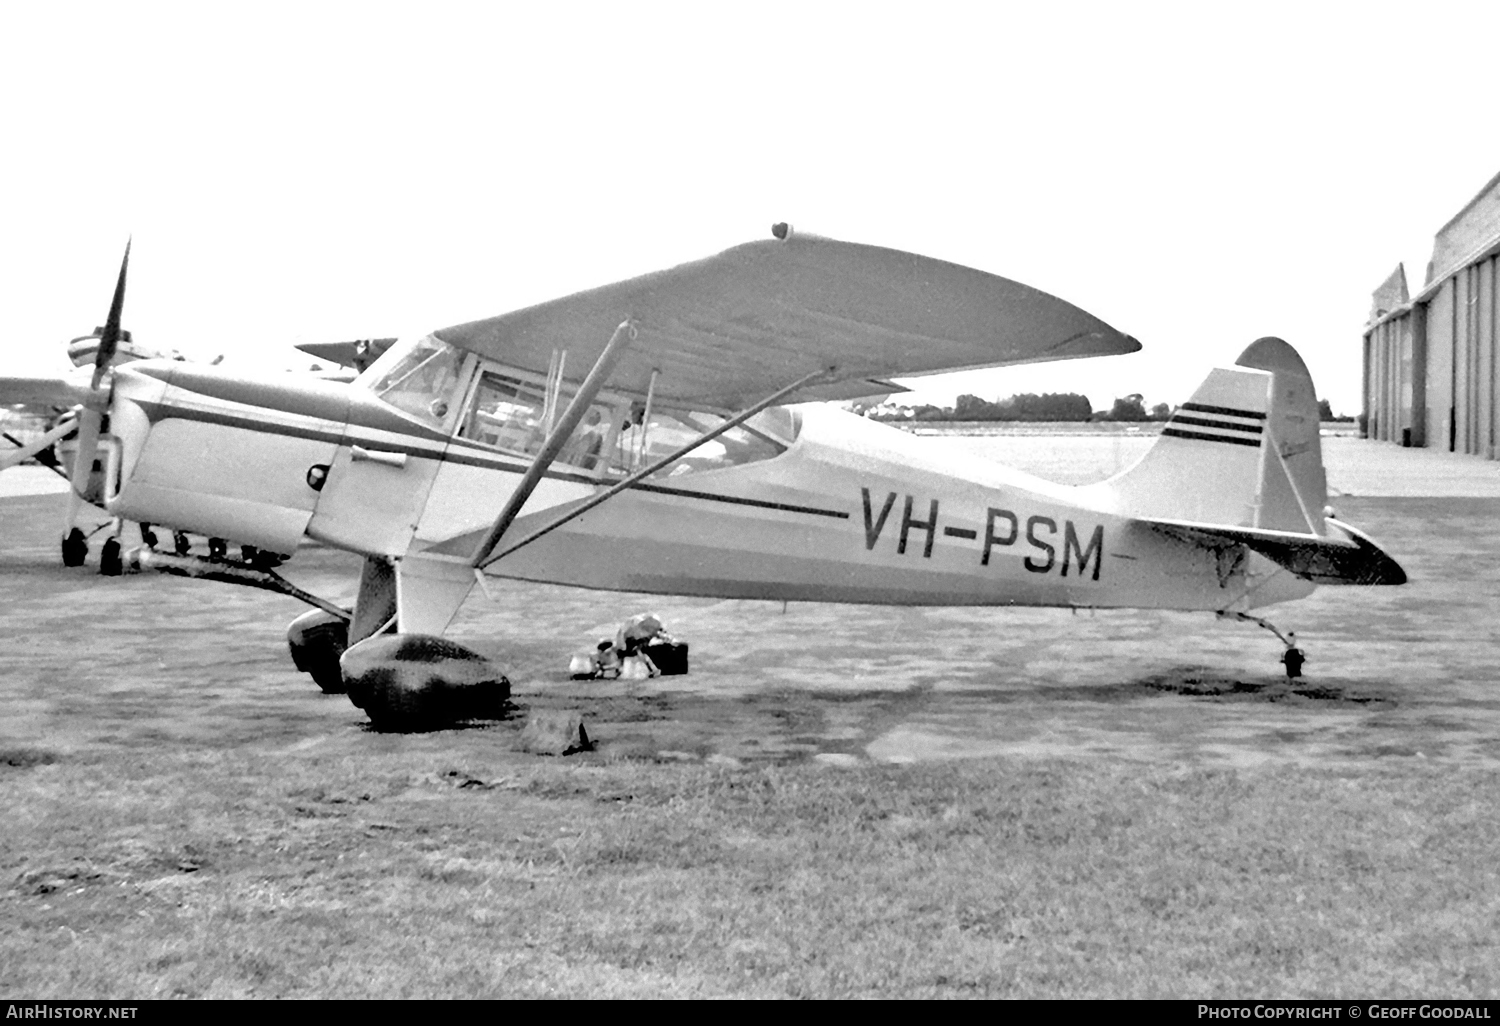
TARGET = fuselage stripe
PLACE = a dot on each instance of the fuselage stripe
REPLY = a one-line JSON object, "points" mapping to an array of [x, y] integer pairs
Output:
{"points": [[157, 412]]}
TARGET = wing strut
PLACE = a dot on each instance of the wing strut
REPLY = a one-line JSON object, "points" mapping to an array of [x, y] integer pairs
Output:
{"points": [[620, 486], [556, 439], [64, 427]]}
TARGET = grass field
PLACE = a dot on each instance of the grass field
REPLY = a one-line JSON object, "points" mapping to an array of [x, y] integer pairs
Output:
{"points": [[838, 801]]}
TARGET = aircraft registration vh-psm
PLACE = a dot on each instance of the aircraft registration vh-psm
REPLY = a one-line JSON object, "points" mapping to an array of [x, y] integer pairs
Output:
{"points": [[662, 435]]}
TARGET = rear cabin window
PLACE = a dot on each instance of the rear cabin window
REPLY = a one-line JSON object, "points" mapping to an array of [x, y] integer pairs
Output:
{"points": [[762, 437]]}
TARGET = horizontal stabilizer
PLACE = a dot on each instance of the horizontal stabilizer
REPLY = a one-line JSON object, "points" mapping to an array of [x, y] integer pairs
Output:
{"points": [[1345, 556], [359, 354]]}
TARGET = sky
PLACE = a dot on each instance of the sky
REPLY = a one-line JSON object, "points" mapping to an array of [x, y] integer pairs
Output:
{"points": [[1196, 175]]}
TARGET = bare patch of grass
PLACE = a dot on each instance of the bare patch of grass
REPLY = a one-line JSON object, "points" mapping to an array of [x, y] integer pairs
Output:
{"points": [[25, 758]]}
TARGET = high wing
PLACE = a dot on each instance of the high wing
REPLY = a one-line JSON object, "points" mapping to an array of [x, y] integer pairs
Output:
{"points": [[44, 389], [726, 330]]}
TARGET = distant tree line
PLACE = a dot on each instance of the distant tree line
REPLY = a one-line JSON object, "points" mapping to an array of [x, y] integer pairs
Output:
{"points": [[1059, 406], [1028, 406]]}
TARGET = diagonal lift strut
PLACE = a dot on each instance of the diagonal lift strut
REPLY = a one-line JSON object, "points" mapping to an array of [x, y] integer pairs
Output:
{"points": [[556, 439], [620, 486]]}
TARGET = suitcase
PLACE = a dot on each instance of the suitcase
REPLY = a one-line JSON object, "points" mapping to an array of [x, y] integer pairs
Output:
{"points": [[669, 657]]}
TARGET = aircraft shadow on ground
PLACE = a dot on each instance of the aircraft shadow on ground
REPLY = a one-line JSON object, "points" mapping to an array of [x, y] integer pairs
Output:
{"points": [[511, 713], [1199, 682]]}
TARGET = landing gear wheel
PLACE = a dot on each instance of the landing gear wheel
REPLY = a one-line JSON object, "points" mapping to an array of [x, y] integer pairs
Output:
{"points": [[110, 563], [218, 548], [317, 640], [417, 682], [181, 543], [75, 548]]}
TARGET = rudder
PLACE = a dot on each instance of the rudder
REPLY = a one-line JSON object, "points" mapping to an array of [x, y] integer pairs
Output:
{"points": [[1294, 487]]}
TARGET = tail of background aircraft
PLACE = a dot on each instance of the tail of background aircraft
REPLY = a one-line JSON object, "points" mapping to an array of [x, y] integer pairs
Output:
{"points": [[1241, 463]]}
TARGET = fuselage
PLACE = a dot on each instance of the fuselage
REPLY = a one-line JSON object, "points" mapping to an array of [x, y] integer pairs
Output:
{"points": [[845, 511]]}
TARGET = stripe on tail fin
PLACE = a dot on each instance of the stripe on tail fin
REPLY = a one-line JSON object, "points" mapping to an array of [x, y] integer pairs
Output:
{"points": [[1206, 466]]}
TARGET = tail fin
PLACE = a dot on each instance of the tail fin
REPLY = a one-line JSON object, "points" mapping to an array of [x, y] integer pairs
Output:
{"points": [[1242, 452], [1241, 464]]}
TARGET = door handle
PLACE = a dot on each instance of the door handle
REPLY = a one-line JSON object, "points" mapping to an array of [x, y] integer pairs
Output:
{"points": [[359, 454]]}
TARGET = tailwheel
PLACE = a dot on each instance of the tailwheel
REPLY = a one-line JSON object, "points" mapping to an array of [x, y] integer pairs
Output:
{"points": [[1292, 655], [75, 547]]}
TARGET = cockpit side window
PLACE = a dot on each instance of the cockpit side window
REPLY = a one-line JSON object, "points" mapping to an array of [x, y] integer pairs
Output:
{"points": [[509, 412], [422, 380], [506, 413], [508, 409]]}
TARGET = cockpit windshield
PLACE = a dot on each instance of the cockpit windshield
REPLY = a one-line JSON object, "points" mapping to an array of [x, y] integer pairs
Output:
{"points": [[420, 378]]}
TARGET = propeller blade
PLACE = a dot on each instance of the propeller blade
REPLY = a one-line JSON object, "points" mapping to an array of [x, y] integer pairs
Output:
{"points": [[109, 337]]}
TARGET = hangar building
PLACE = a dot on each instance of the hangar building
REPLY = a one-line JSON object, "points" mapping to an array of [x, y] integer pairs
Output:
{"points": [[1431, 372]]}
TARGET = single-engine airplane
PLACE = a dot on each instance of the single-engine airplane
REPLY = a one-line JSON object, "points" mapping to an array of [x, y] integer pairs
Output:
{"points": [[654, 435]]}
